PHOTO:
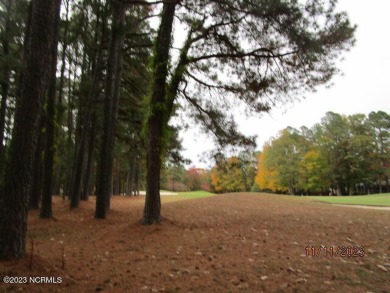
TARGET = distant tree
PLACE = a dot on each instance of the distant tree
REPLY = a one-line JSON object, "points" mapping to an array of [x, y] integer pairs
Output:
{"points": [[228, 176], [360, 153], [332, 137], [286, 155], [193, 178], [267, 174], [312, 173], [249, 163], [341, 155], [204, 177], [379, 125], [17, 177], [175, 177], [216, 180]]}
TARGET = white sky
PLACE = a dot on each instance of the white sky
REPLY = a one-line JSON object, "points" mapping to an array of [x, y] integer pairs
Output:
{"points": [[363, 88]]}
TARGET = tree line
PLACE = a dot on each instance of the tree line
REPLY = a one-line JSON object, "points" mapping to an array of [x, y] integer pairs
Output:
{"points": [[340, 155], [88, 90]]}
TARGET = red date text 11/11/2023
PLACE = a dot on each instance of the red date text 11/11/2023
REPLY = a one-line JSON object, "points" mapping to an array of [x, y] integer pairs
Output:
{"points": [[335, 251]]}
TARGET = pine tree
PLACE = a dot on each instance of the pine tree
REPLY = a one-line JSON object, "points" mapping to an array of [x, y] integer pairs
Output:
{"points": [[17, 181], [254, 53]]}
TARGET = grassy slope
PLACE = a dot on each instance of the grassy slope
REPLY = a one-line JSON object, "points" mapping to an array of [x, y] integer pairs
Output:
{"points": [[374, 199]]}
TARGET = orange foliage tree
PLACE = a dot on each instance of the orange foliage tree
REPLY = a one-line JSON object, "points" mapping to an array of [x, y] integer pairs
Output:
{"points": [[267, 175]]}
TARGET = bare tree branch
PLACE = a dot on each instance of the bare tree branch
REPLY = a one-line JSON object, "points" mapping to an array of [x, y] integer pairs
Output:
{"points": [[144, 2], [269, 54]]}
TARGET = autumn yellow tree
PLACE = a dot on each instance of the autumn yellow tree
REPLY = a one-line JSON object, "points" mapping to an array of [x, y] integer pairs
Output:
{"points": [[279, 165], [312, 170], [266, 177], [228, 176], [216, 179]]}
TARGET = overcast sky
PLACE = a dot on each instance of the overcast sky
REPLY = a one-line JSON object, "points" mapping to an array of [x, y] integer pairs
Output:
{"points": [[364, 86]]}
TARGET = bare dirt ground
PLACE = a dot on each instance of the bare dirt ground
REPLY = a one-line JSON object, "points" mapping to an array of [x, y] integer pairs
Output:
{"points": [[226, 243]]}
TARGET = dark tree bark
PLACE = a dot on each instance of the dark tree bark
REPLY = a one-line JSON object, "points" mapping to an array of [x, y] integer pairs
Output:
{"points": [[70, 132], [137, 180], [5, 82], [36, 184], [46, 209], [131, 176], [91, 150], [63, 56], [158, 117], [17, 179], [76, 184], [59, 184], [113, 80]]}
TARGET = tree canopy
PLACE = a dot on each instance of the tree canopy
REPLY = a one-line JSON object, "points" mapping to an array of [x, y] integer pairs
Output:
{"points": [[258, 54]]}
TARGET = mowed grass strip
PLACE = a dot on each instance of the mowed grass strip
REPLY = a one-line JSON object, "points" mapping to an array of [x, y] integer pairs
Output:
{"points": [[186, 195], [369, 200], [195, 194]]}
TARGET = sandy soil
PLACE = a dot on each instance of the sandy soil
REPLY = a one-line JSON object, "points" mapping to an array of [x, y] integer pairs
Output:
{"points": [[226, 243]]}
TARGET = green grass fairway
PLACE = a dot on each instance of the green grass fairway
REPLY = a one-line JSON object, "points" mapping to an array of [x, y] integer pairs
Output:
{"points": [[195, 194], [370, 200]]}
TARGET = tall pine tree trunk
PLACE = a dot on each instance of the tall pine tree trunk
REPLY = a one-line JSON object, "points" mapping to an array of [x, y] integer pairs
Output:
{"points": [[70, 130], [5, 81], [76, 184], [46, 210], [17, 179], [90, 160], [113, 79], [158, 117], [60, 184]]}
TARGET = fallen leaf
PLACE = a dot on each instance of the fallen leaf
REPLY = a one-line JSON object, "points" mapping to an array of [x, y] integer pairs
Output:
{"points": [[382, 268], [263, 278]]}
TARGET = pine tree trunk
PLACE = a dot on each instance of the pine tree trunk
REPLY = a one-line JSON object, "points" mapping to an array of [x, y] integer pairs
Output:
{"points": [[60, 184], [17, 179], [90, 160], [36, 184], [113, 80], [46, 209], [68, 164], [131, 175], [5, 83], [3, 113], [158, 119], [69, 139], [76, 184], [137, 180]]}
